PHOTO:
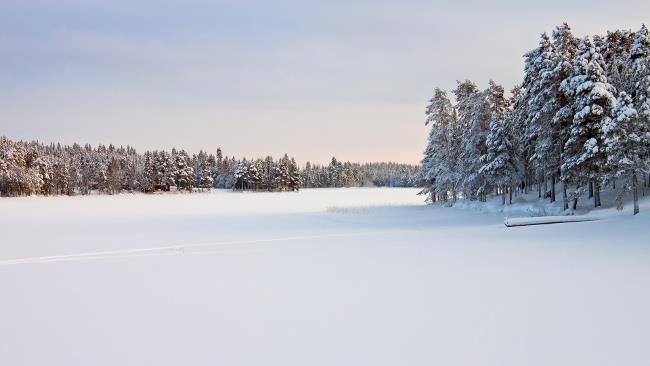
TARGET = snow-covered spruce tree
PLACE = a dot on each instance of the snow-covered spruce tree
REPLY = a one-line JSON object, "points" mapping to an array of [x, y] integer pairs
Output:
{"points": [[501, 165], [616, 54], [548, 116], [517, 125], [183, 172], [204, 174], [46, 175], [526, 107], [565, 48], [334, 173], [219, 158], [114, 175], [497, 105], [474, 119], [294, 176], [283, 175], [241, 175], [147, 181], [640, 81], [626, 143], [62, 181], [268, 168], [254, 174], [438, 164], [307, 176], [542, 106], [593, 102]]}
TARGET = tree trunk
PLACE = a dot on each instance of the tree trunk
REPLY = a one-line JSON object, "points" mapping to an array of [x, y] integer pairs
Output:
{"points": [[565, 197], [503, 197], [553, 188], [545, 186], [510, 201], [575, 200], [591, 189], [524, 186], [596, 194], [636, 193], [539, 189]]}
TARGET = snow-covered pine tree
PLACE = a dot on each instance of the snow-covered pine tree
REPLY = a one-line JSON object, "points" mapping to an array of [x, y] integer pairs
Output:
{"points": [[114, 175], [565, 46], [205, 180], [501, 166], [473, 118], [241, 175], [254, 174], [334, 173], [517, 120], [219, 158], [268, 171], [616, 53], [307, 177], [482, 106], [147, 181], [62, 180], [526, 111], [593, 102], [294, 176], [543, 103], [438, 163], [640, 81], [626, 142], [183, 172]]}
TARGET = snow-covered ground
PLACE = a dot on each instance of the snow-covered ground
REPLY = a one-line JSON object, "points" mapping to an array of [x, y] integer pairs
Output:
{"points": [[320, 277]]}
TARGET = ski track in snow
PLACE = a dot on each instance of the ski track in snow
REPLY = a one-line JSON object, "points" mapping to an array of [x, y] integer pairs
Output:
{"points": [[180, 249]]}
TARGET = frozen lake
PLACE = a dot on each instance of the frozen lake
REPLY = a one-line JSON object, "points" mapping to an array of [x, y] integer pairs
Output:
{"points": [[319, 277]]}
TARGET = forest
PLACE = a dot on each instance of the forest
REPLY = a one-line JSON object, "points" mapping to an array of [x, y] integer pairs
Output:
{"points": [[33, 168], [579, 123]]}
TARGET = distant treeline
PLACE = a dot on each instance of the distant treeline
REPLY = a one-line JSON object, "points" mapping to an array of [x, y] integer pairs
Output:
{"points": [[338, 174], [32, 168]]}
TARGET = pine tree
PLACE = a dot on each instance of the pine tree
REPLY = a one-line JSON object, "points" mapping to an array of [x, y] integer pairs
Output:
{"points": [[294, 176], [205, 180], [501, 164], [114, 176], [593, 102], [616, 54], [565, 47], [438, 164], [473, 118], [183, 173], [219, 158], [640, 82], [626, 142], [528, 108], [254, 175], [147, 181], [334, 173]]}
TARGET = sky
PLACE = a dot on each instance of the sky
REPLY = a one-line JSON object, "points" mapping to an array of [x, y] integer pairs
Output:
{"points": [[313, 79]]}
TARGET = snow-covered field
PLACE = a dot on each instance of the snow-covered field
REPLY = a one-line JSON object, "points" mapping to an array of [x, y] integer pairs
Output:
{"points": [[320, 277]]}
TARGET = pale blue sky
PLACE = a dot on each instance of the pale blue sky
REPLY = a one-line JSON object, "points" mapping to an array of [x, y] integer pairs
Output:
{"points": [[348, 78]]}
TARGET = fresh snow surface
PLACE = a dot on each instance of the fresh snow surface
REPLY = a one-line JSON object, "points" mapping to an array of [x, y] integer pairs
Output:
{"points": [[319, 277]]}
